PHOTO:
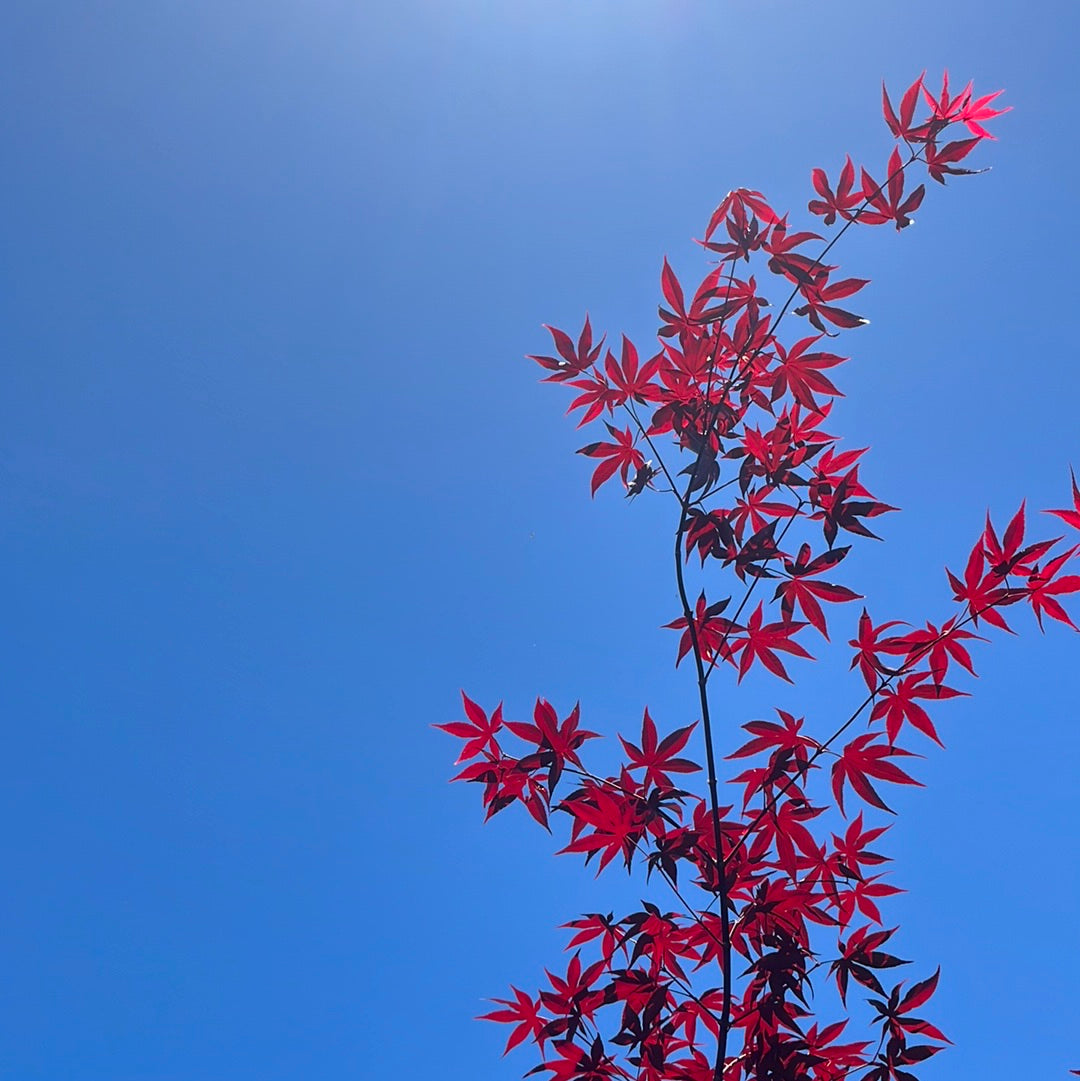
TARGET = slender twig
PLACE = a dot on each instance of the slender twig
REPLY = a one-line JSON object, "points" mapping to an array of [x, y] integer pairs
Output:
{"points": [[702, 677], [714, 798], [740, 370]]}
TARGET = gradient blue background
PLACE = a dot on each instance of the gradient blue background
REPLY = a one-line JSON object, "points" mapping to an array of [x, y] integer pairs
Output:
{"points": [[276, 483]]}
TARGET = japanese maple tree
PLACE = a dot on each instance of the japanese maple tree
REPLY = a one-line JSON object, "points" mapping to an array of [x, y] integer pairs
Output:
{"points": [[757, 901]]}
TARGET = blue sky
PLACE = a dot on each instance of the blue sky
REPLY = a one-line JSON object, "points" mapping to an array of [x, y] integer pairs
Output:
{"points": [[277, 483]]}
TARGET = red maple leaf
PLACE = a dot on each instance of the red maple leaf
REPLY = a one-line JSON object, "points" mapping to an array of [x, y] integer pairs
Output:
{"points": [[851, 848], [861, 898], [902, 126], [894, 1013], [711, 630], [897, 704], [747, 234], [768, 735], [973, 113], [843, 201], [596, 396], [819, 294], [983, 593], [555, 743], [801, 370], [869, 646], [1044, 586], [761, 642], [859, 956], [658, 759], [783, 827], [799, 590], [862, 759], [478, 732], [620, 456], [946, 106], [524, 1014], [842, 507], [608, 821], [759, 510], [594, 926], [680, 321], [571, 361], [630, 380], [937, 645], [741, 200], [941, 163], [887, 199], [783, 259]]}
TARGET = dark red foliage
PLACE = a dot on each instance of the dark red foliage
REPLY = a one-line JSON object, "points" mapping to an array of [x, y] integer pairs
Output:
{"points": [[726, 420]]}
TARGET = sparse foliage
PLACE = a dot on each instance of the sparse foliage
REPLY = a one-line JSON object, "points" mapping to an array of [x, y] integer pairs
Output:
{"points": [[717, 983]]}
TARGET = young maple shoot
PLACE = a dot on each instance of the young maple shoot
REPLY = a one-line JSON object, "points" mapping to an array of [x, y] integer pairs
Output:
{"points": [[727, 422]]}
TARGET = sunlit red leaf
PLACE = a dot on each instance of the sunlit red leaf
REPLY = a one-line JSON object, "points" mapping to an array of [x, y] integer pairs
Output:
{"points": [[863, 759]]}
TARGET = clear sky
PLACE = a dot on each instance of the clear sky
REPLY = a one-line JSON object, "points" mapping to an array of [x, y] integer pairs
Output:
{"points": [[277, 483]]}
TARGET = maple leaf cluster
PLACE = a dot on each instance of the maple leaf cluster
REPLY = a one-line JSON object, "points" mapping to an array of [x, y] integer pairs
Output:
{"points": [[717, 982]]}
